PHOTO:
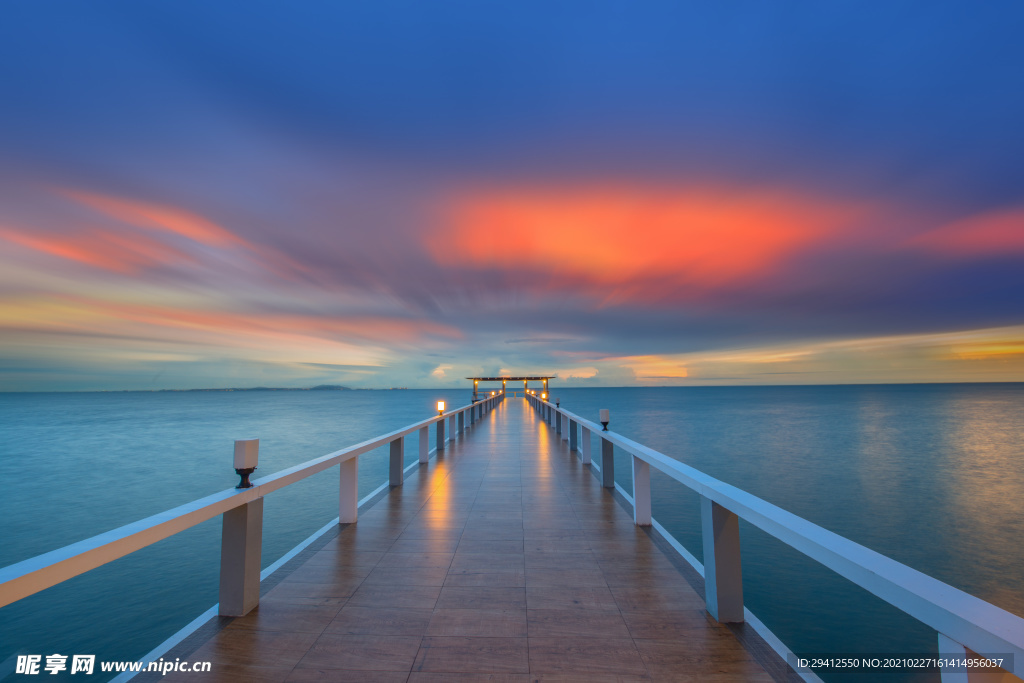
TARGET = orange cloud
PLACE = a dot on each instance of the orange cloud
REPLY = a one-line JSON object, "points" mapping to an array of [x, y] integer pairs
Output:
{"points": [[652, 368], [988, 233], [159, 217], [126, 251], [697, 238], [366, 328], [100, 249], [292, 336]]}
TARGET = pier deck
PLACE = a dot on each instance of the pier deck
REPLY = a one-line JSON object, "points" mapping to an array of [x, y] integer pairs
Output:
{"points": [[502, 559]]}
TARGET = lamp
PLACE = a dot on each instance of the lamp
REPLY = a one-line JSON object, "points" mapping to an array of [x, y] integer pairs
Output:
{"points": [[544, 396], [440, 407], [558, 403], [247, 454], [604, 419], [492, 393]]}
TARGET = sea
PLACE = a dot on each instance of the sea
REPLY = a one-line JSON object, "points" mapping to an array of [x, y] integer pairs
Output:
{"points": [[931, 475]]}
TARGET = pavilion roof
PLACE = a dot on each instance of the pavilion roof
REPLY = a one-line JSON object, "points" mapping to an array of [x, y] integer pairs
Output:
{"points": [[516, 379]]}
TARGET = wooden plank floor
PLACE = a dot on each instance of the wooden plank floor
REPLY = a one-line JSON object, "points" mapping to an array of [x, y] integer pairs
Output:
{"points": [[503, 560]]}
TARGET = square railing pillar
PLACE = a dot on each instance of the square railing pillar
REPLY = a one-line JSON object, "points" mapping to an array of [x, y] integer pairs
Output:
{"points": [[241, 547], [641, 492], [951, 649], [585, 452], [607, 464], [396, 471], [424, 444], [558, 423], [723, 573], [573, 436], [348, 498], [462, 422], [440, 435]]}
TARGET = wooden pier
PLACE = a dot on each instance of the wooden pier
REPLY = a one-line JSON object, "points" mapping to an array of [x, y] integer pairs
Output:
{"points": [[503, 559]]}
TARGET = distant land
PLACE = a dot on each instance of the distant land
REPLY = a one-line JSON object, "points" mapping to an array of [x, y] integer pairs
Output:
{"points": [[319, 387]]}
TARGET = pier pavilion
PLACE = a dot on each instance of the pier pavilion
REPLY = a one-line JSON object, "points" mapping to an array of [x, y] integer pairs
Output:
{"points": [[506, 553], [543, 379]]}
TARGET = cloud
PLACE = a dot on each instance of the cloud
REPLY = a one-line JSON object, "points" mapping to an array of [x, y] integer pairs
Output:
{"points": [[638, 244], [101, 249], [440, 371], [987, 233], [159, 217]]}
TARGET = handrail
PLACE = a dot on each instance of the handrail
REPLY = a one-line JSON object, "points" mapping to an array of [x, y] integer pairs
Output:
{"points": [[37, 573], [971, 621]]}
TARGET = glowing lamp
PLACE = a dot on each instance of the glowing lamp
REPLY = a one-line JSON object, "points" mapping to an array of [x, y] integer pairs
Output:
{"points": [[247, 455], [440, 407], [544, 396], [604, 418], [492, 393]]}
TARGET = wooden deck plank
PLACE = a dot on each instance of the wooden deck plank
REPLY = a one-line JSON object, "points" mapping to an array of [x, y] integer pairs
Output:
{"points": [[502, 558]]}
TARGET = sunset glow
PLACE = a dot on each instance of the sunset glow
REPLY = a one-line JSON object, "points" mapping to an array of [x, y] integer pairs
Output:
{"points": [[197, 197], [692, 239]]}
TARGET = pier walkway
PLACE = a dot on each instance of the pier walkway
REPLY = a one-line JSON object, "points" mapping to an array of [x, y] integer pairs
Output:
{"points": [[503, 559]]}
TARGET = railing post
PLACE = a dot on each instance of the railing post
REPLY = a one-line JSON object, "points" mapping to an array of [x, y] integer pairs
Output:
{"points": [[585, 453], [440, 435], [558, 423], [451, 428], [397, 470], [951, 649], [424, 444], [462, 421], [641, 492], [241, 545], [573, 436], [723, 575], [348, 498], [607, 464]]}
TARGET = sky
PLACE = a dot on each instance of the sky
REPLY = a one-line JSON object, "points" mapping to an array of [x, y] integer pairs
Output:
{"points": [[400, 193]]}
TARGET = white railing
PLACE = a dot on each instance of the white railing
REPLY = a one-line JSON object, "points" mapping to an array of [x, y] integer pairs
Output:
{"points": [[242, 510], [962, 621]]}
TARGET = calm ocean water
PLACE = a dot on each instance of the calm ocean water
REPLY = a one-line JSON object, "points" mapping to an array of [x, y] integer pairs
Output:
{"points": [[930, 475]]}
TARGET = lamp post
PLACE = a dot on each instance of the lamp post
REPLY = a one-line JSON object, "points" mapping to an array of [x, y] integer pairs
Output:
{"points": [[247, 453], [604, 419], [440, 407]]}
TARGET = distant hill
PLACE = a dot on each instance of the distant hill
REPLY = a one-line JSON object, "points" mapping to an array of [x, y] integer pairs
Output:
{"points": [[319, 387]]}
